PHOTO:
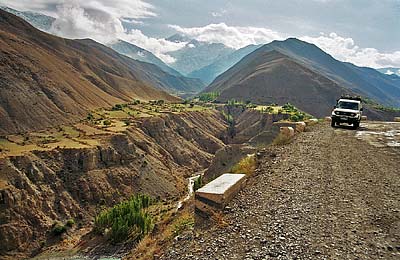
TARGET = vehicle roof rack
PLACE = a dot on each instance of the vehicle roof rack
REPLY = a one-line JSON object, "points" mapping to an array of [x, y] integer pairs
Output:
{"points": [[358, 98]]}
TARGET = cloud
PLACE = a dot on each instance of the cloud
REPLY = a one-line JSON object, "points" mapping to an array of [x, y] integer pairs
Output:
{"points": [[159, 47], [220, 13], [345, 49], [234, 37], [102, 22], [341, 48], [116, 8]]}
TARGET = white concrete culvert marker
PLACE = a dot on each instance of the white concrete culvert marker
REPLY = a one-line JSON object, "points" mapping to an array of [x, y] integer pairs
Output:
{"points": [[216, 194], [328, 119], [287, 131]]}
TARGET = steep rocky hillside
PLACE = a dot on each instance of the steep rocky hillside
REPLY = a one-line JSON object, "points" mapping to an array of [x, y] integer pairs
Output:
{"points": [[154, 157], [46, 80]]}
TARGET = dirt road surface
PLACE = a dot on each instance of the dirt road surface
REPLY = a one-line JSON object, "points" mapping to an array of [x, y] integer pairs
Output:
{"points": [[330, 194]]}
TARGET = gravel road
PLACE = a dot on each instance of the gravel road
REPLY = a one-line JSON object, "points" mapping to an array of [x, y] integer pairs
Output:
{"points": [[327, 195]]}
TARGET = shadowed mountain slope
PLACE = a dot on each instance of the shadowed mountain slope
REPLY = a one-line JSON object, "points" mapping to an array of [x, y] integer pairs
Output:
{"points": [[302, 74], [208, 73], [180, 83], [362, 80], [273, 77]]}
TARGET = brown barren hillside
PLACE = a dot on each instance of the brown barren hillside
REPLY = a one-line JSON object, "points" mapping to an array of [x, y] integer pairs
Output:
{"points": [[46, 80], [275, 78]]}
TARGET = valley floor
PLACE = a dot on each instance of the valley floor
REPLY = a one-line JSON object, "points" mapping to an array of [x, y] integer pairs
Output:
{"points": [[327, 195]]}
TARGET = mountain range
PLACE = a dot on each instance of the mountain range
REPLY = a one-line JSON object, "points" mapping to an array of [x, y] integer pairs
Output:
{"points": [[300, 73], [285, 68], [180, 83], [390, 71], [51, 80], [38, 20], [208, 73], [196, 54]]}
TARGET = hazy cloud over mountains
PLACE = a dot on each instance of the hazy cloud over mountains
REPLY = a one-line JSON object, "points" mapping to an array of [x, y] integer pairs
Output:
{"points": [[234, 37], [346, 25]]}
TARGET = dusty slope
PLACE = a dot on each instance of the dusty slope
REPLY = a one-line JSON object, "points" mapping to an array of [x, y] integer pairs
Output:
{"points": [[46, 80], [153, 157], [325, 196]]}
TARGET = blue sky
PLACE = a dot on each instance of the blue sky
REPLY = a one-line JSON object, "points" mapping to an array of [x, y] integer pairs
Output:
{"points": [[365, 32]]}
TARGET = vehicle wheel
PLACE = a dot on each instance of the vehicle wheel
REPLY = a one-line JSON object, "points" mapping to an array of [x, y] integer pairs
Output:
{"points": [[333, 123], [356, 125]]}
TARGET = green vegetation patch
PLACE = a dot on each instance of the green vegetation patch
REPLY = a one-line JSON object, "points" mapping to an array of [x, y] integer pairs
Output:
{"points": [[198, 183], [128, 220], [208, 97]]}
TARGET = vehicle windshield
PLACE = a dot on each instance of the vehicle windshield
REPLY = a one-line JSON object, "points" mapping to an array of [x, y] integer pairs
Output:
{"points": [[347, 105]]}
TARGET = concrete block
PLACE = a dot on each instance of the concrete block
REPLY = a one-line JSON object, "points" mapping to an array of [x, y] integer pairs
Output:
{"points": [[218, 193], [363, 118], [328, 119], [397, 119], [287, 131], [300, 127], [311, 121]]}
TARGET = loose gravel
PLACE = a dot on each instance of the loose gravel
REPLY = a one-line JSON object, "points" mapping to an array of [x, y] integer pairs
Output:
{"points": [[327, 195]]}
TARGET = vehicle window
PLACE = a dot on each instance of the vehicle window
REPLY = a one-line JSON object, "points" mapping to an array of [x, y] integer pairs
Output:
{"points": [[347, 105]]}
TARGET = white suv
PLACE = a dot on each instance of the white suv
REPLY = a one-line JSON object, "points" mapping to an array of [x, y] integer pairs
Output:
{"points": [[347, 110]]}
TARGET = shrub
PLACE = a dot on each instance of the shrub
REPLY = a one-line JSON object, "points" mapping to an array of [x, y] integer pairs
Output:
{"points": [[135, 102], [107, 122], [198, 183], [269, 109], [70, 222], [90, 117], [246, 165], [117, 107], [208, 97], [58, 229], [126, 220], [289, 108]]}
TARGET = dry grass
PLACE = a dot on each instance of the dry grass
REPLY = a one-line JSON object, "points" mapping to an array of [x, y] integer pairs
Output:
{"points": [[219, 219], [246, 165], [282, 139], [169, 226]]}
